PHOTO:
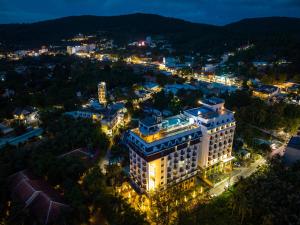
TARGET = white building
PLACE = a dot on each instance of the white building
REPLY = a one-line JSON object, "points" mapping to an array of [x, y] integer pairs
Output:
{"points": [[102, 93], [111, 117], [218, 126], [80, 48], [164, 152]]}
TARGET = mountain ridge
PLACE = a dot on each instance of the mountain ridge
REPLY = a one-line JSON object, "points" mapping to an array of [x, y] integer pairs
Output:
{"points": [[277, 31]]}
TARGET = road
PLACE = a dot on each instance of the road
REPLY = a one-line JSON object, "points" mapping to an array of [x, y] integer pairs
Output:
{"points": [[105, 161], [242, 172], [272, 133], [279, 151]]}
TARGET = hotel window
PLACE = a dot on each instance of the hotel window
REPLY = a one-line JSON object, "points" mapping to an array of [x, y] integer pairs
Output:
{"points": [[152, 170]]}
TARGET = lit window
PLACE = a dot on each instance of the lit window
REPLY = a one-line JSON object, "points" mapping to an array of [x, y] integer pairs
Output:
{"points": [[152, 170]]}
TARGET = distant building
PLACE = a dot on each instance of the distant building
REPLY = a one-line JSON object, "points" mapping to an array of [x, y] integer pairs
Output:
{"points": [[43, 50], [170, 62], [148, 40], [164, 152], [209, 68], [143, 95], [244, 154], [21, 139], [28, 115], [111, 117], [174, 88], [266, 91], [151, 86], [260, 63], [292, 152], [5, 129], [102, 93], [295, 88], [166, 73], [80, 48]]}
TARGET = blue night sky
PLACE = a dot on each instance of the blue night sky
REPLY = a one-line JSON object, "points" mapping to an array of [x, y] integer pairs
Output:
{"points": [[204, 11]]}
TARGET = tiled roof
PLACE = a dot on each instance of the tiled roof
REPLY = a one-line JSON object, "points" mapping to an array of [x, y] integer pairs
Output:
{"points": [[42, 200]]}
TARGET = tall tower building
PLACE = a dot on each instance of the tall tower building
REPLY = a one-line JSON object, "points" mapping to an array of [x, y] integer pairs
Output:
{"points": [[164, 152], [102, 93]]}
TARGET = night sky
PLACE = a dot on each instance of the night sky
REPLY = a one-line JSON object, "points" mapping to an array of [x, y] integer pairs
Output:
{"points": [[204, 11]]}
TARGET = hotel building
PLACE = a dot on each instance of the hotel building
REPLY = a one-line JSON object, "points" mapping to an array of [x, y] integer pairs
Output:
{"points": [[164, 152]]}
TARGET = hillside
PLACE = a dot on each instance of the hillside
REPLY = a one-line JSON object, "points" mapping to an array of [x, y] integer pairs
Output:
{"points": [[276, 32], [126, 25]]}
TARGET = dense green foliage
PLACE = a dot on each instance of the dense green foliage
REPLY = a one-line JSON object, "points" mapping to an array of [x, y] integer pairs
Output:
{"points": [[85, 188], [269, 197], [43, 87], [259, 113], [183, 99]]}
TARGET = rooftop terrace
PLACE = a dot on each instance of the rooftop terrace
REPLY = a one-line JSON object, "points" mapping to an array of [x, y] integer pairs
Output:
{"points": [[206, 112], [169, 127]]}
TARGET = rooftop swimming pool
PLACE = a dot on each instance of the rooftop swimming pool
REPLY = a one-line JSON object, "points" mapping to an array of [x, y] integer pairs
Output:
{"points": [[174, 121]]}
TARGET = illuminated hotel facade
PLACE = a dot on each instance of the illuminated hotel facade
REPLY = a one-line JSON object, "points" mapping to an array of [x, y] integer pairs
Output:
{"points": [[164, 152]]}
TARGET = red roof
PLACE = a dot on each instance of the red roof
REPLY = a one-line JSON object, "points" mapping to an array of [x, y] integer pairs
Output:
{"points": [[42, 200]]}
